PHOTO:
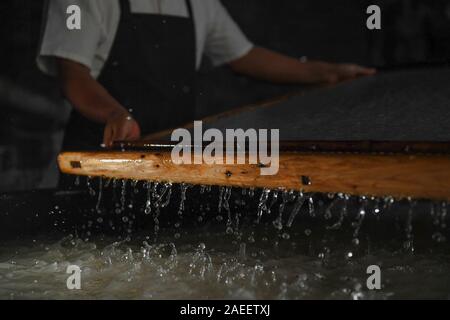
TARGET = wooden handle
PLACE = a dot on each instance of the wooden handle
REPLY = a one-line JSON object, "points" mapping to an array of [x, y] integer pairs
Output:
{"points": [[399, 175]]}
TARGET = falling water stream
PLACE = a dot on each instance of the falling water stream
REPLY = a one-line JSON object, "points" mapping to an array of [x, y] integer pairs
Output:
{"points": [[233, 243]]}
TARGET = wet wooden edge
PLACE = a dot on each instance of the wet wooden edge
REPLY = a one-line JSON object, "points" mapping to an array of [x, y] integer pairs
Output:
{"points": [[397, 175], [379, 147]]}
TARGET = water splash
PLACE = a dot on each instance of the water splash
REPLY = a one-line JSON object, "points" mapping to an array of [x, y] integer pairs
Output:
{"points": [[273, 201], [89, 186], [360, 219], [262, 205], [343, 213], [226, 206], [201, 264], [376, 206], [408, 245], [148, 203], [311, 210], [296, 209], [237, 218], [328, 214], [134, 185], [155, 190], [183, 189], [278, 222], [123, 194], [388, 203], [161, 200], [100, 193]]}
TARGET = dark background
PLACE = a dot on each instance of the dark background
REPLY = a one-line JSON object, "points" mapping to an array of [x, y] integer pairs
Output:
{"points": [[412, 31]]}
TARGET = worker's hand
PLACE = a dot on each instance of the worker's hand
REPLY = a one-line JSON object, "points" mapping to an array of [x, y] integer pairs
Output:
{"points": [[120, 126], [323, 72]]}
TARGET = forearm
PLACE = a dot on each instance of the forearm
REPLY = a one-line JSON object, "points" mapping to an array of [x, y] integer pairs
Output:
{"points": [[85, 94], [271, 66]]}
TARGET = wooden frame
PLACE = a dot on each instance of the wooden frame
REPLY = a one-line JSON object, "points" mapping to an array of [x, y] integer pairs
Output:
{"points": [[370, 168], [398, 169]]}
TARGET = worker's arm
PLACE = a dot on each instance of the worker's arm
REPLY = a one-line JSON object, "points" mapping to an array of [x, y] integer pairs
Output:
{"points": [[268, 65], [92, 100]]}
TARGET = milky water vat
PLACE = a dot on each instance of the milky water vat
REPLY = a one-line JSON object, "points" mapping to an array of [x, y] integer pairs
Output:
{"points": [[310, 256], [167, 271]]}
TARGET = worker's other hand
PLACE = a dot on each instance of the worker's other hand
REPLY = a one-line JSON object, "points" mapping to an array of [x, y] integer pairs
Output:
{"points": [[323, 72], [120, 127]]}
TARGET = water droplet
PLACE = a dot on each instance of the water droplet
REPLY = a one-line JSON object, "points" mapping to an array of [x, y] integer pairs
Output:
{"points": [[100, 193], [148, 203], [311, 206], [297, 206], [123, 194], [89, 186], [183, 188], [262, 205], [278, 223]]}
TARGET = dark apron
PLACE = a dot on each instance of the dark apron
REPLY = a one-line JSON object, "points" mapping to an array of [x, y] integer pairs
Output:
{"points": [[150, 71]]}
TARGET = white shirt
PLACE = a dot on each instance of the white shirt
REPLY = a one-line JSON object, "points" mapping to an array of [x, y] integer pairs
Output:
{"points": [[217, 35]]}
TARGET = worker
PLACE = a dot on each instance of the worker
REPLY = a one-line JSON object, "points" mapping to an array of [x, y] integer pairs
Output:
{"points": [[130, 69]]}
